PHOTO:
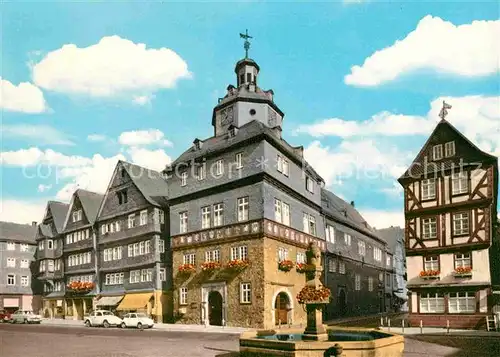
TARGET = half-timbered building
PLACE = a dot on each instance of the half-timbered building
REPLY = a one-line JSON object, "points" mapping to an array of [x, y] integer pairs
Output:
{"points": [[450, 198]]}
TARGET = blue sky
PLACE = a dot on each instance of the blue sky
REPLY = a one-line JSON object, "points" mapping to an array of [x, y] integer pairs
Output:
{"points": [[91, 93]]}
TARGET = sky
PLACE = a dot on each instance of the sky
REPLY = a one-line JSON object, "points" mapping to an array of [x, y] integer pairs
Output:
{"points": [[361, 83]]}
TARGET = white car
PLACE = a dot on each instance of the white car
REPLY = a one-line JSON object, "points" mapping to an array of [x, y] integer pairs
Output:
{"points": [[137, 319], [26, 317], [102, 318]]}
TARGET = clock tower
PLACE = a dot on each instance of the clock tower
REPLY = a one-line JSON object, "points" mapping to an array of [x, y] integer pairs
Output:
{"points": [[246, 101]]}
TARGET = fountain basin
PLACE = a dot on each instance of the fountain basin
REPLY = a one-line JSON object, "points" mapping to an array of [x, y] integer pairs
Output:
{"points": [[355, 342]]}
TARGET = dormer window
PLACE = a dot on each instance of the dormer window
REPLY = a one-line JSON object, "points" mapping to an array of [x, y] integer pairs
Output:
{"points": [[184, 176], [239, 160], [197, 143], [122, 197], [219, 167], [449, 149], [232, 131], [200, 172], [77, 215], [309, 184], [437, 152]]}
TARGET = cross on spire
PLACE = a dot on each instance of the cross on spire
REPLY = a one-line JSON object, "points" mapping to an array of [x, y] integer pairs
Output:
{"points": [[444, 112], [246, 44]]}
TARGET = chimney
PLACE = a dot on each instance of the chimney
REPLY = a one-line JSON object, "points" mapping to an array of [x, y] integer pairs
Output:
{"points": [[352, 203], [33, 223]]}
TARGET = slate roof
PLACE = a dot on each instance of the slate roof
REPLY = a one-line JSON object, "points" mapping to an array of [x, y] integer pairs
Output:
{"points": [[391, 235], [246, 132], [59, 211], [343, 212], [24, 233], [91, 201], [151, 183]]}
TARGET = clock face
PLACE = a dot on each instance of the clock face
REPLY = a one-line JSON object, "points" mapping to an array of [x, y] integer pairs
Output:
{"points": [[226, 116]]}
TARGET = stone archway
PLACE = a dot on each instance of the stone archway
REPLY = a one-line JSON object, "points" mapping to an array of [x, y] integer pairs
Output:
{"points": [[282, 307]]}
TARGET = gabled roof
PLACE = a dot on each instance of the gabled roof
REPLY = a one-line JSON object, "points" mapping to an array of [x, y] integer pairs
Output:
{"points": [[339, 210], [249, 131], [15, 232], [391, 235], [151, 183], [442, 133], [90, 201], [58, 211]]}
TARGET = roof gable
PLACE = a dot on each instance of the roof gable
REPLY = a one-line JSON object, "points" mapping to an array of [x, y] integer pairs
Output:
{"points": [[466, 153], [57, 212], [88, 201]]}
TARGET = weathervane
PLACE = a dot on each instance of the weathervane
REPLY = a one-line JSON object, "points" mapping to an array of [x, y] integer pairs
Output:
{"points": [[444, 112], [246, 44]]}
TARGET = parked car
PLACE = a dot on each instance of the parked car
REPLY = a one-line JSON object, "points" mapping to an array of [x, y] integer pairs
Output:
{"points": [[4, 316], [102, 318], [25, 316], [137, 319]]}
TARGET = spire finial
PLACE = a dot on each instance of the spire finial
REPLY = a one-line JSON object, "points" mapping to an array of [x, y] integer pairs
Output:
{"points": [[246, 44], [444, 112]]}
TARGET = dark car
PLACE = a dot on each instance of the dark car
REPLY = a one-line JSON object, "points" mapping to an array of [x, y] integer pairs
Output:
{"points": [[4, 316]]}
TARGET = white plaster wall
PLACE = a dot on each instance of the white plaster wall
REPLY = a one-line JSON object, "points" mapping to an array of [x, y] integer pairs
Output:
{"points": [[414, 302]]}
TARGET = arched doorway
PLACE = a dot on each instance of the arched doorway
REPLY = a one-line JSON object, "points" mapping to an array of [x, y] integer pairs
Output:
{"points": [[215, 308], [342, 302], [281, 308]]}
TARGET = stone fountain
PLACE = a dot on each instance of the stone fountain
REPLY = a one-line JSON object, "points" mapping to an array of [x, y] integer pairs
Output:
{"points": [[318, 340]]}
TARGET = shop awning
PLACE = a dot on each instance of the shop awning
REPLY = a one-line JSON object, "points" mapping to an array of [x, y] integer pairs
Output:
{"points": [[135, 301], [109, 300]]}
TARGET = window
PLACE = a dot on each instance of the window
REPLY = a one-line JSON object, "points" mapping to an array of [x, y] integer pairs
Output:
{"points": [[183, 224], [147, 247], [332, 265], [449, 149], [245, 293], [431, 263], [200, 172], [341, 267], [212, 256], [161, 246], [163, 274], [115, 278], [25, 263], [184, 177], [11, 279], [240, 253], [285, 209], [459, 183], [11, 262], [50, 244], [347, 239], [370, 283], [431, 303], [77, 215], [437, 152], [218, 214], [189, 259], [309, 224], [330, 233], [301, 258], [388, 261], [239, 160], [380, 276], [146, 275], [130, 250], [24, 247], [357, 282], [429, 226], [463, 302], [131, 220], [143, 217], [242, 209], [309, 184], [162, 217], [278, 215], [377, 254], [183, 294], [361, 248], [122, 197], [135, 276], [205, 217], [50, 266], [428, 189], [282, 254], [460, 223], [219, 167], [463, 260], [24, 281], [282, 164], [41, 268], [12, 245]]}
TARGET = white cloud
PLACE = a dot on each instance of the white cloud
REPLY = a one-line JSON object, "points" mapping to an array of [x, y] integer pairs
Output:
{"points": [[35, 157], [112, 67], [150, 159], [97, 137], [143, 99], [43, 188], [43, 134], [383, 219], [143, 137], [25, 97], [469, 50], [21, 211], [396, 190]]}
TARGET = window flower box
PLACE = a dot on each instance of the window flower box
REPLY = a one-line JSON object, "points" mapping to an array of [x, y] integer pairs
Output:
{"points": [[187, 268], [309, 295], [237, 264], [80, 286], [304, 267], [210, 266], [285, 265], [463, 272], [430, 274]]}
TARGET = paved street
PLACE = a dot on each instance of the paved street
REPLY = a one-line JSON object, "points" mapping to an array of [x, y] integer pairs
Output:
{"points": [[55, 341]]}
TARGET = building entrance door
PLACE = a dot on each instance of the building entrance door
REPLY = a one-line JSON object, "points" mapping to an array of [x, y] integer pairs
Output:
{"points": [[281, 308], [215, 308], [342, 302]]}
